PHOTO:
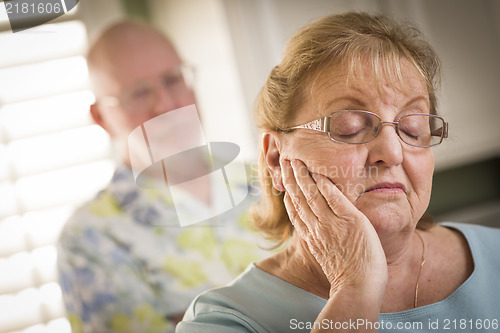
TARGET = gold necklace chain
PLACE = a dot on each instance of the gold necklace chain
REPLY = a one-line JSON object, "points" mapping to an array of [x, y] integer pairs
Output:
{"points": [[415, 303]]}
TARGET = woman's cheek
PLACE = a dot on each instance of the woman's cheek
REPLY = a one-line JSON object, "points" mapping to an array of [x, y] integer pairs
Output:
{"points": [[420, 171], [346, 173], [344, 166]]}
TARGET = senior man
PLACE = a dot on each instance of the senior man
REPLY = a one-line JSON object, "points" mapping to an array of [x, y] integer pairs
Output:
{"points": [[125, 264]]}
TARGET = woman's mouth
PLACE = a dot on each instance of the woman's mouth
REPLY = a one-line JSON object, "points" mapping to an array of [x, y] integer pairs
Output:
{"points": [[387, 188]]}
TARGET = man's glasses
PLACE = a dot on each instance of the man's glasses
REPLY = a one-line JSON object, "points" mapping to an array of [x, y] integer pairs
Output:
{"points": [[357, 127], [141, 95]]}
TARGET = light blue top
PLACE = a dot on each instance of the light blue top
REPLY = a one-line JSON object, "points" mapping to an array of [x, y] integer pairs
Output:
{"points": [[260, 302]]}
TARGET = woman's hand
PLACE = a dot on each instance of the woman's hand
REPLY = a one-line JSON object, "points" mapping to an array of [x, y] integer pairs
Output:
{"points": [[338, 235], [341, 239]]}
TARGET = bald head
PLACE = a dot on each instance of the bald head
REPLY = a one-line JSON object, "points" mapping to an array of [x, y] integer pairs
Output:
{"points": [[125, 52], [138, 65]]}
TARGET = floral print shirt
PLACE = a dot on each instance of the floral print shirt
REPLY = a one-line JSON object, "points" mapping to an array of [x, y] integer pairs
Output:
{"points": [[125, 264]]}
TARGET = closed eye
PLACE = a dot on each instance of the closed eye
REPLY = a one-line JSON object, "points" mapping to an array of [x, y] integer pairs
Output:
{"points": [[411, 135], [351, 135]]}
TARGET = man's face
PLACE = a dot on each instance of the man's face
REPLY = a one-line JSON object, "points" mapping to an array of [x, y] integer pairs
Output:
{"points": [[144, 79]]}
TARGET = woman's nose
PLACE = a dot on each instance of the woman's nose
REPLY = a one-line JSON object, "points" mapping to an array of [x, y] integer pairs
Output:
{"points": [[386, 148]]}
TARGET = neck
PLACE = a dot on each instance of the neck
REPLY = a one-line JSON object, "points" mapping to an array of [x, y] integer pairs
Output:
{"points": [[398, 247], [303, 270], [404, 275]]}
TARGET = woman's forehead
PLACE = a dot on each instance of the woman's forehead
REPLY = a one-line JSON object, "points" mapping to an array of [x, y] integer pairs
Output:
{"points": [[363, 81]]}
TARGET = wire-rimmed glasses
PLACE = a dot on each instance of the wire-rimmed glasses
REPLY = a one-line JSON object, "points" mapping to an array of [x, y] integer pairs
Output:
{"points": [[141, 95], [357, 127]]}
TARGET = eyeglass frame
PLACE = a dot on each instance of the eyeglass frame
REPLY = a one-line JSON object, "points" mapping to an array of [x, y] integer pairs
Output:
{"points": [[323, 125], [115, 101]]}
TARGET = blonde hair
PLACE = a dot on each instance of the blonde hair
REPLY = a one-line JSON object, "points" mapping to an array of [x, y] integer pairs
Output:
{"points": [[344, 41]]}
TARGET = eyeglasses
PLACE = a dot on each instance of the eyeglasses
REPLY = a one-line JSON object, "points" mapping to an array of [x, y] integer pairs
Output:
{"points": [[357, 127], [141, 95]]}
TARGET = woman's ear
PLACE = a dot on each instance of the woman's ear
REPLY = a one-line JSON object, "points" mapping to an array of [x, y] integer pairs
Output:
{"points": [[271, 146]]}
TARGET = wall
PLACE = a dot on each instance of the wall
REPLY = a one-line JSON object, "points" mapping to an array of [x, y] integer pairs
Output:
{"points": [[200, 31]]}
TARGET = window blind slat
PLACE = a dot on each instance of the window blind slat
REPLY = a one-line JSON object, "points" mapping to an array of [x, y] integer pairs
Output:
{"points": [[20, 310], [27, 269], [24, 309], [8, 199], [47, 115], [42, 228], [57, 150], [66, 186], [4, 165], [43, 79], [65, 39], [12, 236]]}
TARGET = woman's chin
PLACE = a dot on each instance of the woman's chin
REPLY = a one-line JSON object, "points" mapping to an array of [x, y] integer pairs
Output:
{"points": [[386, 218]]}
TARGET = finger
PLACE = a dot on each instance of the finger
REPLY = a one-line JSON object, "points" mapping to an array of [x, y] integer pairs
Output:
{"points": [[310, 191], [288, 178], [294, 217], [296, 194], [335, 199]]}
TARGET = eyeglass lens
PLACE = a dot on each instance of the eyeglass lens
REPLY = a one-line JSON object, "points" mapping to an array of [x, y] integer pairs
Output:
{"points": [[421, 130], [142, 95]]}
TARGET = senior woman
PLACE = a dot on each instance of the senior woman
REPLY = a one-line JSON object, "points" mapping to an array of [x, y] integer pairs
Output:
{"points": [[349, 119]]}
